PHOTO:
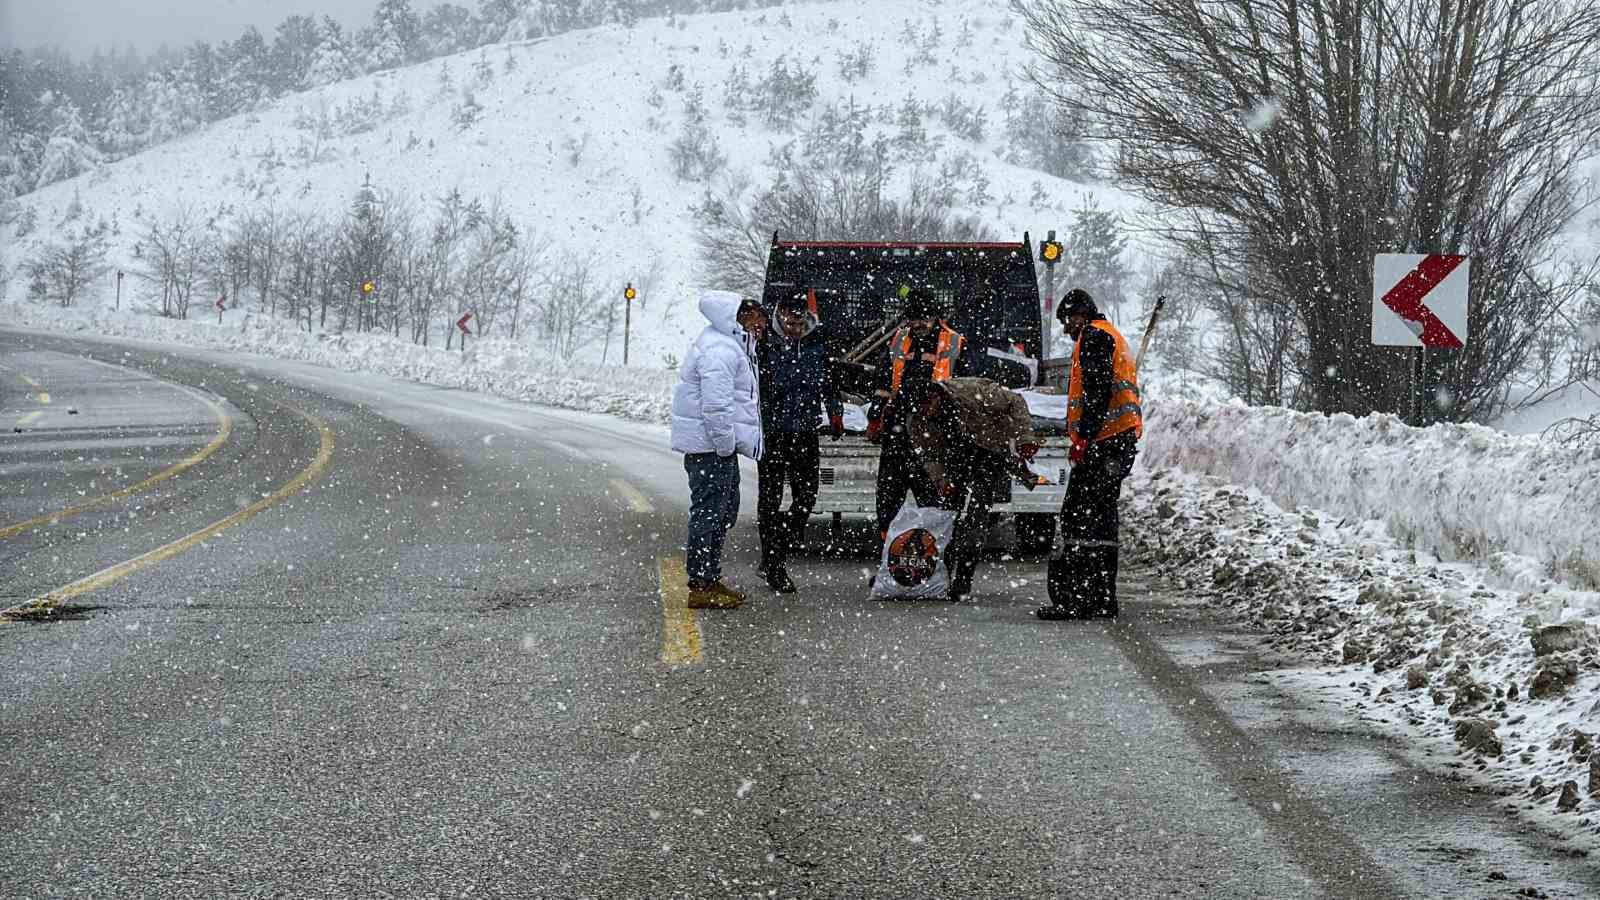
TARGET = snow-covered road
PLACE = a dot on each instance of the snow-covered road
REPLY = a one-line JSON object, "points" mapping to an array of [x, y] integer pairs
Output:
{"points": [[444, 662]]}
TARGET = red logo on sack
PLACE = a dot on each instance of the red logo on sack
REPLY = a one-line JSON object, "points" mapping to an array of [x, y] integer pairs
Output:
{"points": [[913, 557]]}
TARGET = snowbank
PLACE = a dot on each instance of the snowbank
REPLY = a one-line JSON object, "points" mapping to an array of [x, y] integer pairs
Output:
{"points": [[1504, 683], [500, 367], [1523, 506]]}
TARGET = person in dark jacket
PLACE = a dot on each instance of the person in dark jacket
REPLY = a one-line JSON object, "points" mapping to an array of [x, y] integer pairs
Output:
{"points": [[795, 390], [920, 352], [975, 436], [1104, 423]]}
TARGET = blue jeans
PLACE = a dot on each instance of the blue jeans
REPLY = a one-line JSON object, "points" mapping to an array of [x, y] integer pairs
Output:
{"points": [[713, 508]]}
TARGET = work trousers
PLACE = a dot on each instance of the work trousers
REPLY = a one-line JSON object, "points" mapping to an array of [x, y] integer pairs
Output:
{"points": [[899, 470], [1084, 570], [713, 508], [967, 542], [786, 458]]}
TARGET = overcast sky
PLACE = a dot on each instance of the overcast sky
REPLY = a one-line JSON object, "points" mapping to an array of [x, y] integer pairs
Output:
{"points": [[78, 26]]}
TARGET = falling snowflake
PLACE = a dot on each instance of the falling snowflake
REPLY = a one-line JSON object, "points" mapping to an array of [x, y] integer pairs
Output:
{"points": [[1263, 115]]}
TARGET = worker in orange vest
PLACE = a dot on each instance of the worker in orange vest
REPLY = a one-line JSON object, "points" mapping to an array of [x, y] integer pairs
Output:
{"points": [[922, 351], [1104, 423]]}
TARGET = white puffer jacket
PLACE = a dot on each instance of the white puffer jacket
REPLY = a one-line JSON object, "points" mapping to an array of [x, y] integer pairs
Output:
{"points": [[716, 407]]}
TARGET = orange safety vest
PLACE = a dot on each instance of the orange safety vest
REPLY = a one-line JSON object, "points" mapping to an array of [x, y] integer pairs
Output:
{"points": [[1123, 413], [943, 357]]}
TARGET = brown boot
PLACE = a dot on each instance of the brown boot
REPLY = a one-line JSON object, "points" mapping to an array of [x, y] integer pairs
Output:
{"points": [[714, 595]]}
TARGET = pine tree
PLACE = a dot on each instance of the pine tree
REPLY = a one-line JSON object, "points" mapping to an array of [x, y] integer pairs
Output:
{"points": [[206, 73], [174, 105], [445, 29], [396, 36], [495, 17], [1093, 257], [246, 73], [126, 130], [70, 151], [18, 153], [293, 49], [332, 61]]}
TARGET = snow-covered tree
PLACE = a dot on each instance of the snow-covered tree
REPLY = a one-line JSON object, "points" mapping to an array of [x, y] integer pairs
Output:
{"points": [[446, 28], [71, 150], [205, 69], [246, 73], [18, 152], [1092, 255], [495, 17], [332, 61], [175, 105], [126, 127], [396, 36], [466, 113], [69, 267], [293, 49]]}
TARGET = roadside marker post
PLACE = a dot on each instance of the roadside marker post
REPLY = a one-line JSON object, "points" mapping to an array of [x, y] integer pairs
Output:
{"points": [[628, 296], [1049, 254]]}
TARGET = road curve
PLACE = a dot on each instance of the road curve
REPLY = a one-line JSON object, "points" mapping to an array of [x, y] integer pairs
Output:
{"points": [[446, 664]]}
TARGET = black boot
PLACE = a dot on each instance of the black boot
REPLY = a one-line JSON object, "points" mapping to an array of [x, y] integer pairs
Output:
{"points": [[1097, 597], [1108, 591], [961, 572], [778, 579], [796, 537], [1065, 579]]}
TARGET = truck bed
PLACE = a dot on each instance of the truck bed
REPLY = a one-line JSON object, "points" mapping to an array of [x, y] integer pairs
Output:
{"points": [[848, 477]]}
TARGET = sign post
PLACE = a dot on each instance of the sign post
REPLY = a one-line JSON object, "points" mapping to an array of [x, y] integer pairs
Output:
{"points": [[628, 295], [119, 289], [1049, 254], [222, 304], [1420, 300], [369, 293]]}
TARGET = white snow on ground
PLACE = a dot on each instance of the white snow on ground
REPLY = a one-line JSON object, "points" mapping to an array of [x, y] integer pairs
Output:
{"points": [[574, 137], [1522, 506], [1434, 653], [497, 367]]}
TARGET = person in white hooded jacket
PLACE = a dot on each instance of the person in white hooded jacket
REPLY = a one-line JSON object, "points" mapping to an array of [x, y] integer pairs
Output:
{"points": [[716, 418]]}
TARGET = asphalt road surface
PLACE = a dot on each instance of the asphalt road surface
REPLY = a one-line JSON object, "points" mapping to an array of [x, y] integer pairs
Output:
{"points": [[278, 631]]}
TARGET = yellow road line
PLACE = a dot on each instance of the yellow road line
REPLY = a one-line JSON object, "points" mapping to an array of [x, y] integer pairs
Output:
{"points": [[680, 631], [632, 496], [29, 417], [30, 381], [43, 605], [226, 428], [43, 397]]}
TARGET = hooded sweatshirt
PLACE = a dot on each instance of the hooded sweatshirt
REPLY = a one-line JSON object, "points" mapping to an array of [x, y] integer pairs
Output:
{"points": [[795, 387], [716, 407]]}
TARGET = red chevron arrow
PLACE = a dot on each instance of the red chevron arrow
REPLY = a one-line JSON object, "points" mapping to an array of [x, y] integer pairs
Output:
{"points": [[1406, 299]]}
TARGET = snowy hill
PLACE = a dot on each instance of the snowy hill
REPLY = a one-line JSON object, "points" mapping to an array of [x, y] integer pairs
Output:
{"points": [[572, 133]]}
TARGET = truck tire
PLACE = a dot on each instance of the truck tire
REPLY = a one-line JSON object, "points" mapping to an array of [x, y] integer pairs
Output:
{"points": [[1036, 532]]}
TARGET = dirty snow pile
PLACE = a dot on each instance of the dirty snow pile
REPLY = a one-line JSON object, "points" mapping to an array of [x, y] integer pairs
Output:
{"points": [[500, 367], [1457, 659]]}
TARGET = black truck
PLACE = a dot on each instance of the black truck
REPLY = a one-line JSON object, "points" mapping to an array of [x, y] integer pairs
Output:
{"points": [[990, 294]]}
